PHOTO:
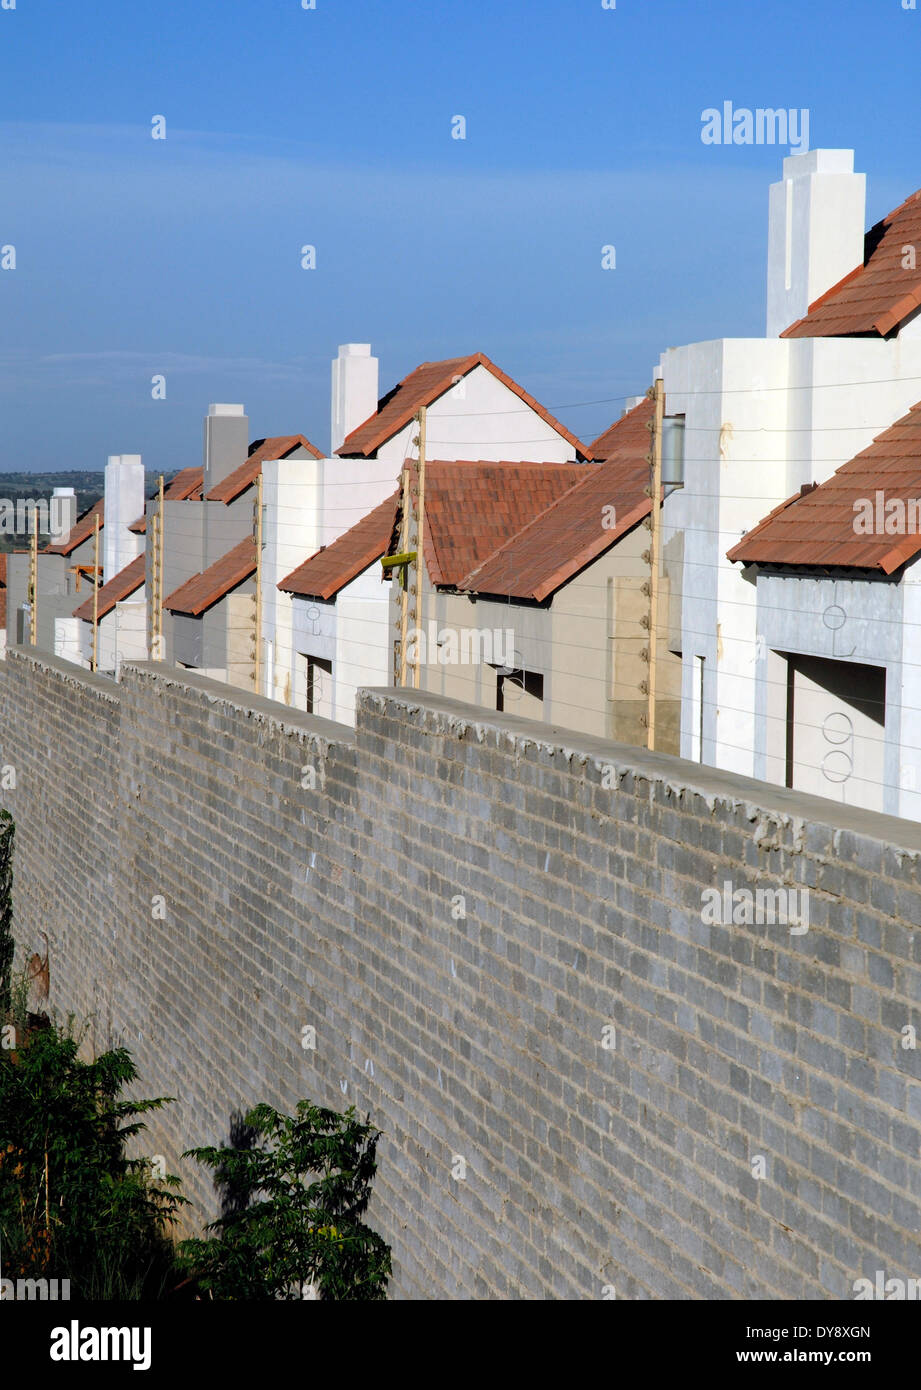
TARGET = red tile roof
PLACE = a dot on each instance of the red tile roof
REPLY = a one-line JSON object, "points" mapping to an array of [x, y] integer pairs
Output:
{"points": [[572, 532], [876, 296], [81, 532], [472, 508], [278, 447], [202, 590], [817, 527], [185, 487], [330, 569], [614, 436], [121, 586], [422, 387]]}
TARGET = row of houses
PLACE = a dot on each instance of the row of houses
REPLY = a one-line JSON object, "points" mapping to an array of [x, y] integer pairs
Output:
{"points": [[784, 646], [308, 615]]}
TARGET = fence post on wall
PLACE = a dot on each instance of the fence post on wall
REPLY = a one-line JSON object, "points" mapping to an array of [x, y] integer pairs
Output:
{"points": [[33, 582], [257, 537], [654, 491], [95, 592], [420, 526], [156, 578], [404, 590]]}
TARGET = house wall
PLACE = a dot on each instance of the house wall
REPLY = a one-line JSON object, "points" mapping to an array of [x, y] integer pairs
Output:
{"points": [[315, 627], [480, 418], [904, 686], [763, 416], [122, 634], [228, 636], [364, 640], [68, 640], [306, 507], [496, 931], [187, 639], [183, 549], [841, 619], [55, 593], [586, 643], [314, 635], [293, 501], [351, 631], [239, 635], [226, 524]]}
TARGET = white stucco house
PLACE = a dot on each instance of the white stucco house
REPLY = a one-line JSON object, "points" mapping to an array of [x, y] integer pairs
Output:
{"points": [[120, 613], [327, 632], [837, 587], [767, 417]]}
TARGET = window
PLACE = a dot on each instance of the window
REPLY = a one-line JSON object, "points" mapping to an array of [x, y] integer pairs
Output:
{"points": [[672, 453], [520, 692], [319, 685]]}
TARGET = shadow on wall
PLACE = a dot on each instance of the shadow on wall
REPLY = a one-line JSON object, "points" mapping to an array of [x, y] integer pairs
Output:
{"points": [[235, 1194]]}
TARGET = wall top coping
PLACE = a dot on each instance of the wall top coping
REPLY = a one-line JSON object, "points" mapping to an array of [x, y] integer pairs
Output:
{"points": [[760, 801], [232, 697], [69, 671]]}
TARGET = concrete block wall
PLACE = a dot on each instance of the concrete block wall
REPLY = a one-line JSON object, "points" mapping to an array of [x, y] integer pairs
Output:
{"points": [[59, 738], [469, 909]]}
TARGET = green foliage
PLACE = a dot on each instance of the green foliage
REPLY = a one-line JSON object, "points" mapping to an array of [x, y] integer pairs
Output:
{"points": [[280, 1231], [18, 1013], [72, 1205], [7, 945]]}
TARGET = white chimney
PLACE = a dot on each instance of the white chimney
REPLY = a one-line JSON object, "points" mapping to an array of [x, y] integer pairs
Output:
{"points": [[63, 514], [355, 390], [815, 232], [124, 503]]}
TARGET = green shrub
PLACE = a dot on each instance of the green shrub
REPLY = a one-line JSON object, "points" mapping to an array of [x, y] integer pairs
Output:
{"points": [[295, 1194]]}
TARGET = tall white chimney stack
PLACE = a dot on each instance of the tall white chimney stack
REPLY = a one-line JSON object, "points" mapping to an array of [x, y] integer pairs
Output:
{"points": [[355, 390], [63, 513], [124, 503], [815, 232]]}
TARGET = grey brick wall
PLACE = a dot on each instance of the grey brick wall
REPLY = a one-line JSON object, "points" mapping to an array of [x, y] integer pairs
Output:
{"points": [[464, 906]]}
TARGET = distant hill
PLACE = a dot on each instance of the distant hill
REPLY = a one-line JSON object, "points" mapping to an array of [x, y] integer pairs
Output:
{"points": [[88, 485]]}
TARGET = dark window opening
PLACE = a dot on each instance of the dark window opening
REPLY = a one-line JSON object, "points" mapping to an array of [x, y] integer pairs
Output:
{"points": [[511, 685], [318, 687]]}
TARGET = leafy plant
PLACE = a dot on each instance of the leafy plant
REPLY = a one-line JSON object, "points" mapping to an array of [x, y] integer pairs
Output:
{"points": [[295, 1195], [72, 1205]]}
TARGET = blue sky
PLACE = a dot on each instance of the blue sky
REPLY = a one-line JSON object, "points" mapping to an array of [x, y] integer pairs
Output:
{"points": [[332, 127]]}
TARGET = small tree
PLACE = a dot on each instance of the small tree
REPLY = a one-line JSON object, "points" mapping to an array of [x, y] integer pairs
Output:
{"points": [[7, 945], [72, 1205], [300, 1190]]}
